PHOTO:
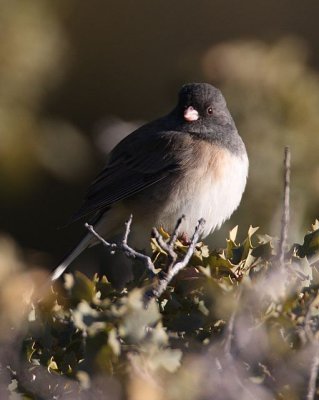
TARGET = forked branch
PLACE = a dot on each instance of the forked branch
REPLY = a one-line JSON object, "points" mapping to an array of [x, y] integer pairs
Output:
{"points": [[176, 267], [173, 267], [123, 246]]}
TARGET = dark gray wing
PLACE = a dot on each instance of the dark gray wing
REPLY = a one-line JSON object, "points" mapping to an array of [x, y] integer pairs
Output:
{"points": [[138, 161]]}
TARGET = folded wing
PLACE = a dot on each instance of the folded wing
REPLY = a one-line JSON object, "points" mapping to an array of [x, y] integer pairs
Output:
{"points": [[138, 161]]}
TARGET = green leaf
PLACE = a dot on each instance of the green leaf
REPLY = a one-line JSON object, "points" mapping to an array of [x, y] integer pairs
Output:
{"points": [[52, 366], [233, 234], [168, 359], [83, 288], [135, 317], [88, 319], [310, 245]]}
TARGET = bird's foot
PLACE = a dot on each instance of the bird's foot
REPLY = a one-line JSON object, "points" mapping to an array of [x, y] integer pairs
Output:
{"points": [[184, 238]]}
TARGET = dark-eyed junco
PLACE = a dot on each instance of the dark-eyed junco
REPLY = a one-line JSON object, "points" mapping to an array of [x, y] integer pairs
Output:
{"points": [[190, 162]]}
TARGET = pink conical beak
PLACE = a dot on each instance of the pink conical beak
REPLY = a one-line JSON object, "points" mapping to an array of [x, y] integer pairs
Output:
{"points": [[190, 114]]}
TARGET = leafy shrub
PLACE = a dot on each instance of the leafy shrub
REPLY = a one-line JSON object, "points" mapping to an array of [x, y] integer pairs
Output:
{"points": [[233, 324]]}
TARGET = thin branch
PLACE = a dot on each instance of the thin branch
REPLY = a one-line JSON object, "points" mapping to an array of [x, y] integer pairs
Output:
{"points": [[231, 326], [128, 224], [164, 245], [129, 251], [169, 245], [175, 234], [313, 376], [286, 208], [103, 241], [176, 268]]}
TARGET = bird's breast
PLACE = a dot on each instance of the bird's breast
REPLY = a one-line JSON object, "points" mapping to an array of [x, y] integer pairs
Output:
{"points": [[210, 186]]}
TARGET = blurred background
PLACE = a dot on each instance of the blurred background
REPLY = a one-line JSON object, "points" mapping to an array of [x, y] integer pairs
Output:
{"points": [[77, 76]]}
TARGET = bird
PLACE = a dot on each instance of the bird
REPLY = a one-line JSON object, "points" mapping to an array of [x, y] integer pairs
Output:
{"points": [[190, 162]]}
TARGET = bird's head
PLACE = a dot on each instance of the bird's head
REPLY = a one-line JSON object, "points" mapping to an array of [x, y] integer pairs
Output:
{"points": [[202, 104]]}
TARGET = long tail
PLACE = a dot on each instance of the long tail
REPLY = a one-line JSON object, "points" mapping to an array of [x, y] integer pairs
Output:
{"points": [[84, 243]]}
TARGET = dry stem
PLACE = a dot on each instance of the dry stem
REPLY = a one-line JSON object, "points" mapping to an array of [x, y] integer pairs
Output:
{"points": [[173, 267], [129, 251], [286, 208], [176, 267]]}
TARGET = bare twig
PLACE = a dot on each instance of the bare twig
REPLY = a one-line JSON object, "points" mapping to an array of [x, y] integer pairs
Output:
{"points": [[173, 266], [103, 241], [286, 210], [164, 245], [169, 245], [176, 268], [129, 251], [313, 376], [128, 224], [175, 234], [231, 326]]}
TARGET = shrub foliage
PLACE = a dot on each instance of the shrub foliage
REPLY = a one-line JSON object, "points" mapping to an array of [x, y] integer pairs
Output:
{"points": [[233, 324]]}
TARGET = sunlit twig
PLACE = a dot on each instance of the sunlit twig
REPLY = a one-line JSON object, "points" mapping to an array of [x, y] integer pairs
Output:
{"points": [[123, 245], [286, 208]]}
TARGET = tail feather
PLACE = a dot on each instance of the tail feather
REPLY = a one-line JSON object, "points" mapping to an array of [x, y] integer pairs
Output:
{"points": [[114, 222], [84, 243]]}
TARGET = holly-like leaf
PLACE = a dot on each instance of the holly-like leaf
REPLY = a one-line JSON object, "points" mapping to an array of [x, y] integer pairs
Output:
{"points": [[310, 245]]}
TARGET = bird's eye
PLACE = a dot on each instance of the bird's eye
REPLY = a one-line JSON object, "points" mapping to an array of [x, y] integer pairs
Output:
{"points": [[210, 110]]}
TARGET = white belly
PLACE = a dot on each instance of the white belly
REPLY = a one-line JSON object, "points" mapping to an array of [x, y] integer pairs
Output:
{"points": [[204, 195]]}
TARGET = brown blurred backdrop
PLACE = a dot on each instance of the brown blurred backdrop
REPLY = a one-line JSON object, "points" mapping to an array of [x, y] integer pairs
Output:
{"points": [[75, 76]]}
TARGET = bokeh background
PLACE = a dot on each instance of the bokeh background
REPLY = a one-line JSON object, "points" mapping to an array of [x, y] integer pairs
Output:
{"points": [[77, 76]]}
